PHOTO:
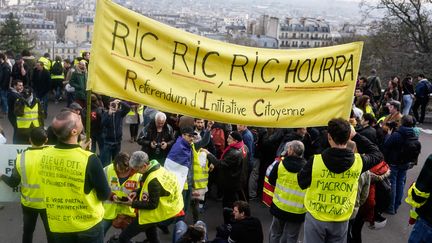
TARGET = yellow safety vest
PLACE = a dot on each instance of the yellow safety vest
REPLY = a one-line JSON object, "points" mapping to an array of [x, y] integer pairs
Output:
{"points": [[200, 174], [169, 206], [288, 196], [46, 62], [30, 116], [27, 165], [369, 110], [113, 209], [331, 197], [58, 76], [63, 173]]}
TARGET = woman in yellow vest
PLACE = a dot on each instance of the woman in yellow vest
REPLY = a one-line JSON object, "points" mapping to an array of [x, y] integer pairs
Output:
{"points": [[122, 180], [159, 199]]}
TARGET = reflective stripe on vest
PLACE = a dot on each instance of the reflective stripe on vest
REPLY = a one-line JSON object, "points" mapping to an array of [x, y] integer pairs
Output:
{"points": [[200, 174], [113, 209], [168, 206], [27, 166], [288, 196], [68, 208], [30, 116], [331, 196]]}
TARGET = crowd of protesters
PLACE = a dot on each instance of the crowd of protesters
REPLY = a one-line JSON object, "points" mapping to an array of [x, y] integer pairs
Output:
{"points": [[184, 161]]}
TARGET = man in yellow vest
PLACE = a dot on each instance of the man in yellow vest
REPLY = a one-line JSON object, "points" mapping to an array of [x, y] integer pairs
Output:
{"points": [[74, 184], [287, 207], [29, 115], [26, 173], [45, 59], [122, 180], [331, 179], [159, 200]]}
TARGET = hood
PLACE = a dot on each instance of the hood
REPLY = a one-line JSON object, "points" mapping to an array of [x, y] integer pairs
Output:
{"points": [[406, 131], [338, 160]]}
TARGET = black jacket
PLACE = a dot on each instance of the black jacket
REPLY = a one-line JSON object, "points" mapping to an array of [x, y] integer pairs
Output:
{"points": [[112, 125], [149, 134], [394, 143], [370, 133], [231, 167], [5, 75], [424, 184], [248, 230], [41, 82], [340, 160], [292, 164]]}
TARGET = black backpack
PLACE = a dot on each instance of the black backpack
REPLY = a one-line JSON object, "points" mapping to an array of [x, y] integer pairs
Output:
{"points": [[382, 194], [57, 68], [410, 150]]}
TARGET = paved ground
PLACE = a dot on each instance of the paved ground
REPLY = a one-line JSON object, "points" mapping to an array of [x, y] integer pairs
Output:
{"points": [[396, 231]]}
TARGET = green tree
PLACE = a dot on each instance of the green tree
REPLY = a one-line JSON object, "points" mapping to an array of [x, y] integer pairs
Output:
{"points": [[12, 35]]}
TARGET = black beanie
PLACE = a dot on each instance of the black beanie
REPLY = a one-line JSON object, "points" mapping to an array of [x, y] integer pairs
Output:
{"points": [[236, 136]]}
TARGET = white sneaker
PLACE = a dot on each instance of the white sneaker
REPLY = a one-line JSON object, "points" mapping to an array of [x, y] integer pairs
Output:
{"points": [[378, 225]]}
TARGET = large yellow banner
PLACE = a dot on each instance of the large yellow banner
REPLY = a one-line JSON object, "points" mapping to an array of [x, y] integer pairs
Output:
{"points": [[139, 59]]}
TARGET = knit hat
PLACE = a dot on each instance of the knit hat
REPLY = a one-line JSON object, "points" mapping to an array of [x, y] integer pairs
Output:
{"points": [[236, 136], [188, 130]]}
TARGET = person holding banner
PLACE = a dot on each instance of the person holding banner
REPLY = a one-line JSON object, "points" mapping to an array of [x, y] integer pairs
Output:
{"points": [[331, 180], [32, 197]]}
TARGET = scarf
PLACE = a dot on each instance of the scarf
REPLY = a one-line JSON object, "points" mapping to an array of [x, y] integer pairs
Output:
{"points": [[235, 146]]}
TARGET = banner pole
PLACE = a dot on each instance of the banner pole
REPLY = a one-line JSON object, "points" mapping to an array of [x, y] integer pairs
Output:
{"points": [[88, 112]]}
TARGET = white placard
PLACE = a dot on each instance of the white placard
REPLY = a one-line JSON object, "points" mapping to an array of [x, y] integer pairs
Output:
{"points": [[8, 153]]}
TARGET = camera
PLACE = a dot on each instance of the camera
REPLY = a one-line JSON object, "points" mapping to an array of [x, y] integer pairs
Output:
{"points": [[158, 148], [26, 93], [113, 105]]}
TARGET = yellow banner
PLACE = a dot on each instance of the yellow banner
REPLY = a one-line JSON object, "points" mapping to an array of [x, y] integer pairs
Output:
{"points": [[139, 59]]}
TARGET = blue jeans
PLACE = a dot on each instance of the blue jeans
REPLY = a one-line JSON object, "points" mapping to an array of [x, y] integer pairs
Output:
{"points": [[4, 100], [97, 140], [109, 151], [92, 235], [407, 103], [397, 180], [421, 233]]}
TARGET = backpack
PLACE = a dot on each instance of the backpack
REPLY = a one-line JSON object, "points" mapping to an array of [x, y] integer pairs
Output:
{"points": [[218, 137], [57, 68], [410, 150]]}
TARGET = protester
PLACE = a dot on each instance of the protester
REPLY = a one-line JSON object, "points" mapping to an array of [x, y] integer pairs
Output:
{"points": [[400, 149], [29, 114], [419, 197], [408, 95], [123, 181], [158, 200], [157, 138], [232, 168], [112, 129], [242, 227], [422, 91], [32, 196], [78, 82], [13, 95], [287, 208], [41, 84], [76, 189], [334, 165]]}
